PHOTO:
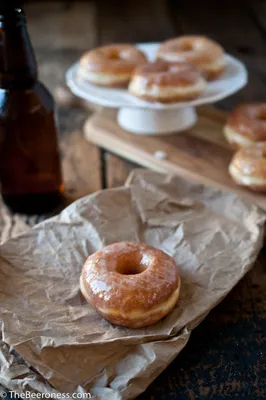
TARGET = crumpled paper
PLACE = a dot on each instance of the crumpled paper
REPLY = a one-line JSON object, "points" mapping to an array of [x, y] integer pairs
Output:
{"points": [[214, 237]]}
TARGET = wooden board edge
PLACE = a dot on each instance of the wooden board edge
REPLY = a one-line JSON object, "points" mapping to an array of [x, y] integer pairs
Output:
{"points": [[98, 136]]}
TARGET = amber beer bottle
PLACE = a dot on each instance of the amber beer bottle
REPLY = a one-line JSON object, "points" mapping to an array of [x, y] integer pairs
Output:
{"points": [[30, 174]]}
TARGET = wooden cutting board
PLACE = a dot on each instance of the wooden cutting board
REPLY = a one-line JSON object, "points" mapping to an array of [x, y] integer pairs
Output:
{"points": [[201, 153]]}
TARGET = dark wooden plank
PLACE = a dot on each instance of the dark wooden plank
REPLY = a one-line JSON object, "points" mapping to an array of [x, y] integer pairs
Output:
{"points": [[133, 21], [117, 170], [60, 31], [230, 24], [81, 165], [257, 10], [107, 168]]}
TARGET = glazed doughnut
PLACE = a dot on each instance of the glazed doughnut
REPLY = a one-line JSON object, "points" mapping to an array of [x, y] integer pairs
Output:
{"points": [[131, 284], [246, 125], [166, 83], [248, 167], [110, 65], [203, 53]]}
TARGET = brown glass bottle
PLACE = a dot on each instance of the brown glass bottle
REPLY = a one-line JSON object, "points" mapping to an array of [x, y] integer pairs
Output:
{"points": [[30, 174]]}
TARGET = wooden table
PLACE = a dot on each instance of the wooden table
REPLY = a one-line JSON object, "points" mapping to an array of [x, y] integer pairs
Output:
{"points": [[226, 356]]}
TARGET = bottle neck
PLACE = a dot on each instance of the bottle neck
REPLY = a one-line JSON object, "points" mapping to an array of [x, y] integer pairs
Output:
{"points": [[18, 68]]}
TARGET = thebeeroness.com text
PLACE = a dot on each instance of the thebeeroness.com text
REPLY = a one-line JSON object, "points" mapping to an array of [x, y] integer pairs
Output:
{"points": [[31, 395]]}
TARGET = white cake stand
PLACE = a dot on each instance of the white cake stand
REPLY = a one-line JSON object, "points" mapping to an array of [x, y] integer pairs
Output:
{"points": [[142, 117]]}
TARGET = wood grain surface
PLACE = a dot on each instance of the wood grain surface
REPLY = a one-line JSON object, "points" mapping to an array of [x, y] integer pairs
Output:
{"points": [[201, 153], [226, 356]]}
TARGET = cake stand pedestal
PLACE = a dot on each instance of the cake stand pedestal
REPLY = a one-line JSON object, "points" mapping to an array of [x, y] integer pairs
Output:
{"points": [[156, 122]]}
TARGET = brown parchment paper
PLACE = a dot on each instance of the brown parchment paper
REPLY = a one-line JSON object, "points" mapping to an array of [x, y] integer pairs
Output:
{"points": [[214, 236]]}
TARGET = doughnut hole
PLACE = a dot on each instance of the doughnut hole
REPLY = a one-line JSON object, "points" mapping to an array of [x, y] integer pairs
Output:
{"points": [[264, 153], [262, 116], [187, 46], [130, 265], [114, 56]]}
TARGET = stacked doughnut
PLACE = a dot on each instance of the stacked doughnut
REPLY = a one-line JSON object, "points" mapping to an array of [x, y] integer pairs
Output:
{"points": [[245, 130], [179, 73], [204, 54], [166, 83], [111, 65]]}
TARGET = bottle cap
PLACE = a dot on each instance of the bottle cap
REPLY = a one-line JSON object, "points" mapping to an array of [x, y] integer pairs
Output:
{"points": [[10, 9]]}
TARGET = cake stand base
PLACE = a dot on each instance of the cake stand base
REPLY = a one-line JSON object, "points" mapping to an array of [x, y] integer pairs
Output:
{"points": [[156, 122]]}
